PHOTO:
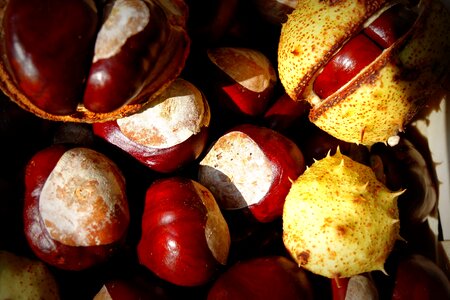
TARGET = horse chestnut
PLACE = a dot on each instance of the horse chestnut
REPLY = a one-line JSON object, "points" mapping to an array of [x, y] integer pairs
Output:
{"points": [[366, 68], [185, 239], [76, 210], [417, 277], [166, 135], [270, 277], [252, 166], [73, 61], [244, 79], [285, 113], [339, 220]]}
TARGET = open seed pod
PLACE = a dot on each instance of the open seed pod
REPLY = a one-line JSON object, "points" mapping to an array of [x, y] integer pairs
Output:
{"points": [[81, 62], [366, 67]]}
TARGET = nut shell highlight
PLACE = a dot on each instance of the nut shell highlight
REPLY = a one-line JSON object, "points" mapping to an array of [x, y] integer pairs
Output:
{"points": [[169, 53]]}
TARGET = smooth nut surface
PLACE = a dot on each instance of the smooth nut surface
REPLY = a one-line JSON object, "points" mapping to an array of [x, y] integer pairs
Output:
{"points": [[130, 68]]}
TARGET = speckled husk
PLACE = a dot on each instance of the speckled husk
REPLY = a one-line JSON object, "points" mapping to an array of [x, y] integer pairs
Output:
{"points": [[385, 96], [313, 32], [375, 109], [338, 220]]}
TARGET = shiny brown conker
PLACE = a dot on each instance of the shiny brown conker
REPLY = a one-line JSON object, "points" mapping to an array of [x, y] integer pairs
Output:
{"points": [[82, 62]]}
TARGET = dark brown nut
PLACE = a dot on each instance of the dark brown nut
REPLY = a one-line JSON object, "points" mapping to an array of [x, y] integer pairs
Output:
{"points": [[76, 211], [62, 62], [167, 135]]}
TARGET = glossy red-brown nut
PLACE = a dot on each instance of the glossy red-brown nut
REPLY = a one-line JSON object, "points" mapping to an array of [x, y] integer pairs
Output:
{"points": [[354, 56], [52, 78], [252, 166], [62, 61], [244, 79], [185, 239], [417, 277], [285, 113], [75, 211], [271, 277], [364, 48], [166, 135]]}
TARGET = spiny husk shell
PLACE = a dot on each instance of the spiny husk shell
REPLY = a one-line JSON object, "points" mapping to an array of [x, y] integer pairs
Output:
{"points": [[377, 108], [174, 52], [313, 32], [385, 96], [338, 220]]}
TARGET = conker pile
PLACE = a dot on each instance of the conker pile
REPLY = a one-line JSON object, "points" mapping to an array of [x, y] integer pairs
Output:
{"points": [[173, 149]]}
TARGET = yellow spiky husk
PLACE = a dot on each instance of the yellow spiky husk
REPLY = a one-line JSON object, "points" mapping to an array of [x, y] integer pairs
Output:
{"points": [[380, 101], [339, 220]]}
